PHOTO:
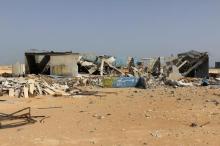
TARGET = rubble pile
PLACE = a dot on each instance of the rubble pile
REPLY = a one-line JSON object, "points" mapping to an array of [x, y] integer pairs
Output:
{"points": [[33, 85], [188, 64], [183, 70], [101, 65]]}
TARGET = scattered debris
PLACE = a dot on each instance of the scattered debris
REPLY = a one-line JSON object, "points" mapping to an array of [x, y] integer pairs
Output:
{"points": [[52, 107], [193, 125], [98, 116], [103, 71], [204, 124], [42, 120], [205, 82], [214, 101], [23, 114], [196, 125], [156, 134], [33, 85]]}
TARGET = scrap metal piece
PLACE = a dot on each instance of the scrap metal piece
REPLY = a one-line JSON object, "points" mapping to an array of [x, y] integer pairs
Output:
{"points": [[23, 114]]}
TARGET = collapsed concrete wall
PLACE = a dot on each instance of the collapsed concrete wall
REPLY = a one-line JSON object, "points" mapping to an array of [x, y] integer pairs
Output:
{"points": [[194, 64]]}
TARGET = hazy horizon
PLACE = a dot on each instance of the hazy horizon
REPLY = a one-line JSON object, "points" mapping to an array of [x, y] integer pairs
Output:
{"points": [[120, 28]]}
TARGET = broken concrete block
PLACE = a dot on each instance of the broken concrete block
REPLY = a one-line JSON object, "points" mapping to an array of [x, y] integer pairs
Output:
{"points": [[39, 89], [50, 92], [25, 89], [57, 91], [31, 88], [17, 92], [175, 74], [92, 70], [31, 81], [11, 92]]}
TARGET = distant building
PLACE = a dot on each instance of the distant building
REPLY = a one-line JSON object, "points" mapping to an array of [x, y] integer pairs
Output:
{"points": [[217, 64]]}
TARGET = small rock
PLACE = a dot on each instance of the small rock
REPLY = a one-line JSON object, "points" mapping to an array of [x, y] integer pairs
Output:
{"points": [[215, 102], [156, 134], [91, 102], [92, 142], [147, 116], [193, 125], [98, 116]]}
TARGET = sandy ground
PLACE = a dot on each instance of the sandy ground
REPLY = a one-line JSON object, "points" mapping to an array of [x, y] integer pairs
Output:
{"points": [[119, 117], [5, 69]]}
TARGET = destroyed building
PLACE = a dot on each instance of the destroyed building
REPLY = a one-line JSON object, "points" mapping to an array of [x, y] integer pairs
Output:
{"points": [[69, 70], [52, 63], [188, 64], [215, 71], [104, 64], [193, 64], [217, 64]]}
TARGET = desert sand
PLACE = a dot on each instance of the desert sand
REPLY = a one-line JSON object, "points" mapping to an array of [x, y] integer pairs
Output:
{"points": [[119, 117], [5, 69]]}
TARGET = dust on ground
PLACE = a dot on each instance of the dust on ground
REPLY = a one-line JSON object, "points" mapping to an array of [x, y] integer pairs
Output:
{"points": [[119, 117]]}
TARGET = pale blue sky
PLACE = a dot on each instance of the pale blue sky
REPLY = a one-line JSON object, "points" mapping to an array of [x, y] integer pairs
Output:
{"points": [[142, 28]]}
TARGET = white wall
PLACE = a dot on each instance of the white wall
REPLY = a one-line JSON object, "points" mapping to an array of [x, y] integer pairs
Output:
{"points": [[65, 65]]}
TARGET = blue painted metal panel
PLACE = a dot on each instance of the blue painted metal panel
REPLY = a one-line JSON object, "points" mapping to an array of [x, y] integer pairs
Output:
{"points": [[123, 82]]}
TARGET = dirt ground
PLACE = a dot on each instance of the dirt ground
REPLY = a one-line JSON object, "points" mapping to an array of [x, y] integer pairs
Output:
{"points": [[118, 117], [5, 69]]}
